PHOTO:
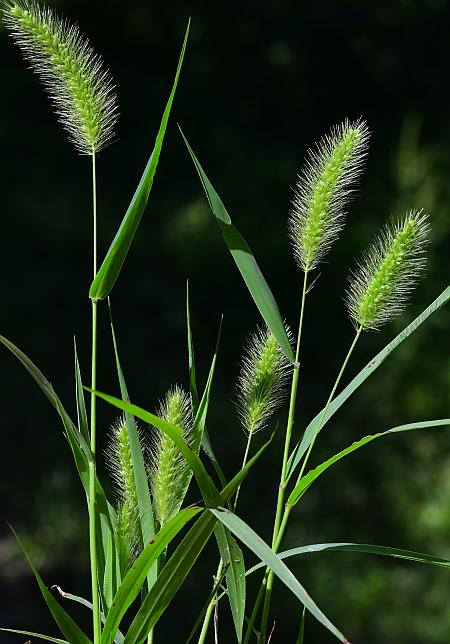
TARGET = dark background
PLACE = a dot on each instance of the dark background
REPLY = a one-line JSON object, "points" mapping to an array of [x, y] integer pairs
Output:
{"points": [[262, 81]]}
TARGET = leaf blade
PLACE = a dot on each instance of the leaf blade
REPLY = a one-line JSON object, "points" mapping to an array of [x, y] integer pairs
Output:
{"points": [[115, 257], [309, 478], [245, 261], [310, 432], [254, 542], [134, 579]]}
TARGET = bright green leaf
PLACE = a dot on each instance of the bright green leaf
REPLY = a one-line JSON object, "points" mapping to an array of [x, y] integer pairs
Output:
{"points": [[113, 262], [358, 380], [245, 261]]}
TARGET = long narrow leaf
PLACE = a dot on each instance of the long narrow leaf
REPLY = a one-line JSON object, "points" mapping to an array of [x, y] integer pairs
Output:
{"points": [[139, 472], [179, 565], [135, 577], [68, 627], [83, 424], [191, 356], [233, 558], [118, 638], [112, 264], [386, 551], [245, 261], [81, 453], [175, 433], [230, 552], [254, 542], [38, 635], [312, 475], [358, 380]]}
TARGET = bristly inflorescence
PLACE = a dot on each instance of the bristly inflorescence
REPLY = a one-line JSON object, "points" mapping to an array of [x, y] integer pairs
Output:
{"points": [[388, 271], [323, 190], [80, 88], [169, 471], [262, 380], [120, 463]]}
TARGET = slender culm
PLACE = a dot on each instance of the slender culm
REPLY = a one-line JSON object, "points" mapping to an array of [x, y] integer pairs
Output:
{"points": [[388, 271], [169, 470], [323, 190], [120, 463], [79, 86], [262, 380]]}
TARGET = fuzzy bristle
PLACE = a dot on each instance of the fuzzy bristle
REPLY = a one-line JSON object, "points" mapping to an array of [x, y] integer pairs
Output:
{"points": [[323, 190], [169, 471], [79, 86], [119, 461], [261, 386], [388, 272]]}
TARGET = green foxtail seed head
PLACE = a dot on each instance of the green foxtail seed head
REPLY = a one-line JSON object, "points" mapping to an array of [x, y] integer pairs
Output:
{"points": [[169, 470], [388, 272], [261, 386], [119, 460], [323, 190], [80, 88]]}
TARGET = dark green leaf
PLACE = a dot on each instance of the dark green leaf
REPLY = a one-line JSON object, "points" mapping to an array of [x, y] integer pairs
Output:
{"points": [[254, 542], [112, 264], [38, 635], [135, 577], [139, 471], [68, 627], [177, 568], [245, 261], [191, 356], [368, 548], [368, 370], [312, 475]]}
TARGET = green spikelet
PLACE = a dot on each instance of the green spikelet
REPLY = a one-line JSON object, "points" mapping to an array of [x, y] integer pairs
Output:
{"points": [[323, 190], [119, 460], [388, 272], [169, 470], [80, 88], [261, 386]]}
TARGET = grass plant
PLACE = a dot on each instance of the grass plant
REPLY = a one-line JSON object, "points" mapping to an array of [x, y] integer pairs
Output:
{"points": [[146, 540]]}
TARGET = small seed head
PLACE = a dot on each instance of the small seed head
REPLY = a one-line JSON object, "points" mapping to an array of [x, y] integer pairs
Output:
{"points": [[169, 470], [388, 271], [81, 89], [118, 457], [262, 380], [323, 190]]}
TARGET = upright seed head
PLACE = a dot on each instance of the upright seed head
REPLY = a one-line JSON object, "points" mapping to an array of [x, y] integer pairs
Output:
{"points": [[169, 470], [80, 88], [388, 272], [323, 190], [120, 463], [261, 386]]}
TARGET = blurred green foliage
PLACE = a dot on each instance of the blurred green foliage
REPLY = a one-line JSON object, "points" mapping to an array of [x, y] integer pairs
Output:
{"points": [[262, 82]]}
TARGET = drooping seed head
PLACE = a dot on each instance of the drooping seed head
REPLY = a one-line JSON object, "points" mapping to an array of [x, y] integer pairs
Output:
{"points": [[169, 470], [118, 457], [79, 86], [388, 271], [262, 380], [323, 190]]}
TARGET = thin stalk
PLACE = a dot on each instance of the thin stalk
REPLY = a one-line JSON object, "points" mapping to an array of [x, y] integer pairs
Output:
{"points": [[244, 462], [290, 422], [287, 445], [287, 511], [210, 610], [92, 466]]}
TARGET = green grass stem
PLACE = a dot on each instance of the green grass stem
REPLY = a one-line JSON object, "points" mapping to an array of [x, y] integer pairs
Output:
{"points": [[92, 468], [269, 578]]}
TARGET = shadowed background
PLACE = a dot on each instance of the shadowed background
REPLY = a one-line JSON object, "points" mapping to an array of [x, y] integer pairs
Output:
{"points": [[262, 81]]}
